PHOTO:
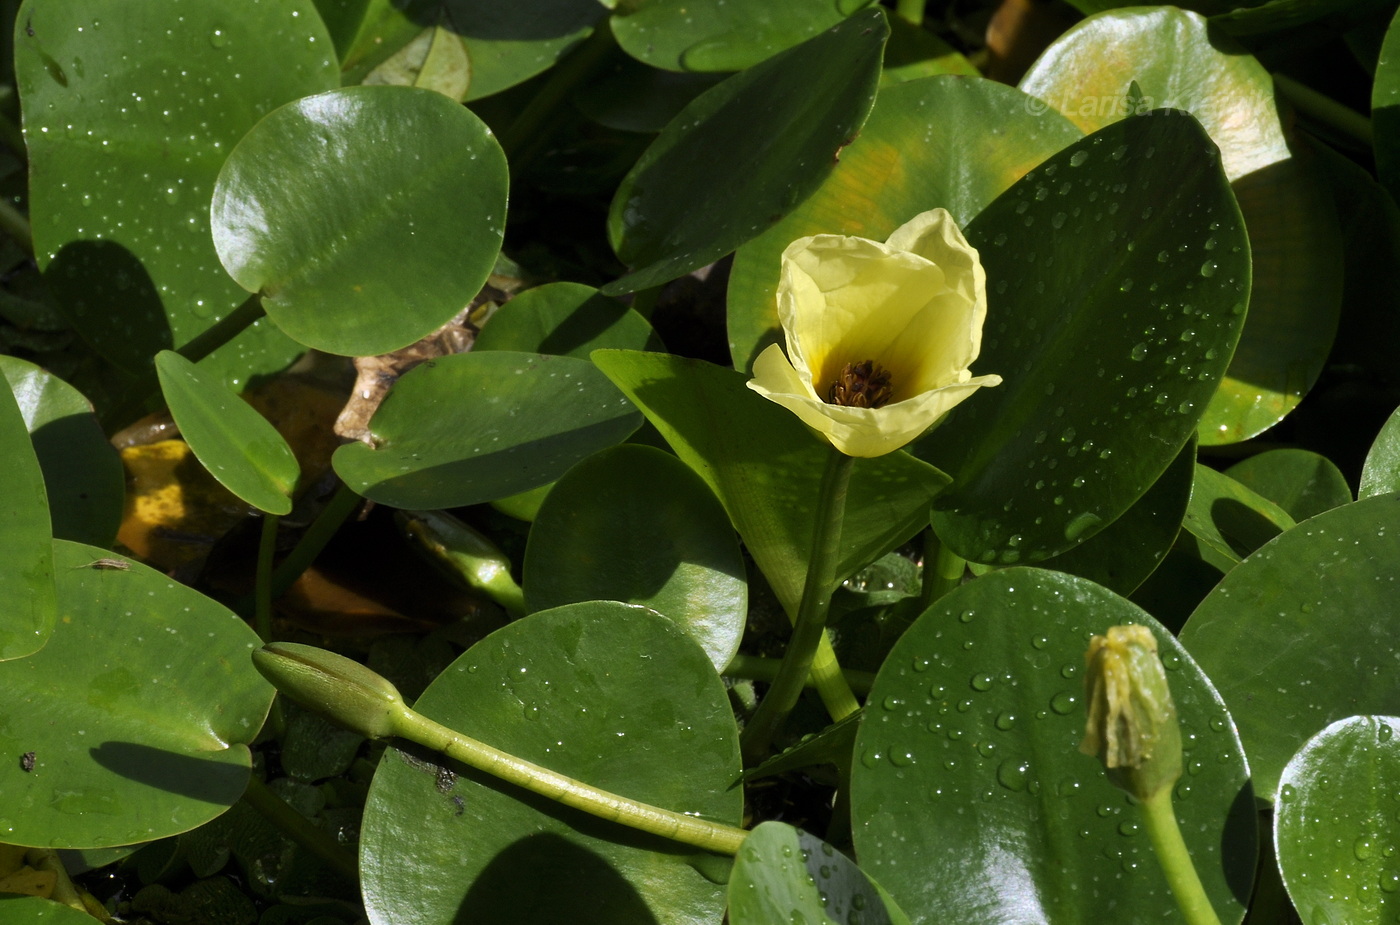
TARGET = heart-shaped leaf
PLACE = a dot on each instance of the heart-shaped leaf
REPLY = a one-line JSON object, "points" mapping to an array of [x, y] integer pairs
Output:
{"points": [[575, 690], [1110, 327], [637, 525], [710, 182], [1315, 607], [968, 770], [139, 710], [473, 427], [365, 217], [236, 444]]}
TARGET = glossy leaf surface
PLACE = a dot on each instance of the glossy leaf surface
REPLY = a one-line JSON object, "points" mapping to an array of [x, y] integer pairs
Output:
{"points": [[473, 427], [709, 182], [1179, 62], [130, 109], [1109, 337], [236, 444], [1335, 826], [565, 319], [954, 143], [968, 771], [637, 525], [1328, 628], [712, 35], [132, 742], [1381, 474], [765, 467], [1301, 482], [27, 581], [573, 689], [365, 217], [31, 910], [783, 874], [1385, 110], [81, 472], [1229, 518]]}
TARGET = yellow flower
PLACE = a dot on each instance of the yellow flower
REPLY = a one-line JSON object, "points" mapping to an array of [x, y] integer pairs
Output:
{"points": [[879, 336]]}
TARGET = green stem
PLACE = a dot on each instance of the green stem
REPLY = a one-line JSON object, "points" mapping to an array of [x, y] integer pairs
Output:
{"points": [[307, 548], [14, 223], [224, 330], [943, 569], [910, 11], [267, 546], [1324, 109], [809, 629], [1175, 858], [758, 668], [301, 830], [690, 830], [567, 75]]}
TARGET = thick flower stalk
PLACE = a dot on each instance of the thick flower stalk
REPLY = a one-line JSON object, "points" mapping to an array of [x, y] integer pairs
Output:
{"points": [[879, 336]]}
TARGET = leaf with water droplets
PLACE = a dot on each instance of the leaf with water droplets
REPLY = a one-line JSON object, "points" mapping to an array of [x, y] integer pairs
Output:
{"points": [[609, 694], [1337, 824], [968, 772], [1381, 473]]}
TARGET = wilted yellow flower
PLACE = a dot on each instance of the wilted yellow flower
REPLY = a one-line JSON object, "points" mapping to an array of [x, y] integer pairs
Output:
{"points": [[879, 336]]}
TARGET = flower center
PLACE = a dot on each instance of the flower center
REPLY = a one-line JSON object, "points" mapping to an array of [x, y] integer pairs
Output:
{"points": [[861, 385]]}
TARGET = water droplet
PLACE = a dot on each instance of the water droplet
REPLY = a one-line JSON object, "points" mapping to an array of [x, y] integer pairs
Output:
{"points": [[1390, 880], [1012, 774], [1058, 220], [966, 616], [870, 757], [1384, 732], [1064, 702], [1208, 268], [1363, 848], [920, 664], [1128, 828], [986, 749], [1125, 286], [964, 706], [1040, 642], [1138, 352], [981, 682], [218, 38], [901, 759], [1005, 720], [171, 195], [1078, 158]]}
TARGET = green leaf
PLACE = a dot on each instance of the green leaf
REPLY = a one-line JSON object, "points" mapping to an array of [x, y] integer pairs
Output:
{"points": [[473, 427], [27, 581], [31, 910], [968, 770], [139, 710], [235, 443], [1381, 473], [712, 35], [952, 142], [124, 145], [711, 181], [913, 52], [508, 43], [612, 695], [1108, 329], [81, 471], [1300, 633], [1385, 110], [1231, 520], [1126, 552], [1304, 484], [365, 218], [1179, 62], [565, 319], [783, 874], [765, 467], [636, 525], [1336, 846], [632, 97]]}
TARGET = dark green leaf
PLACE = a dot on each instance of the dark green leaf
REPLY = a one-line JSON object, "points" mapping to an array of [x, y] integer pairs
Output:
{"points": [[565, 319], [31, 910], [1230, 519], [1300, 482], [744, 154], [1108, 329], [1381, 474], [473, 427], [365, 217], [27, 580], [968, 771], [1385, 110]]}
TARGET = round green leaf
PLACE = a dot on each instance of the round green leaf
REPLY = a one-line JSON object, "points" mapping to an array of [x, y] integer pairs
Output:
{"points": [[27, 581], [1381, 473], [235, 443], [712, 35], [565, 319], [130, 107], [81, 470], [1110, 327], [1301, 633], [473, 427], [31, 910], [1302, 483], [139, 710], [950, 142], [365, 217], [1179, 62], [783, 874], [744, 153], [612, 695], [637, 525], [1336, 827], [968, 771]]}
